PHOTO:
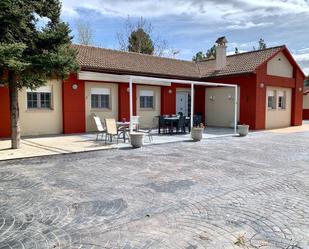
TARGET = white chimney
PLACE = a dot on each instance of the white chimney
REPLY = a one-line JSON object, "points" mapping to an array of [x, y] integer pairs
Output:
{"points": [[221, 53]]}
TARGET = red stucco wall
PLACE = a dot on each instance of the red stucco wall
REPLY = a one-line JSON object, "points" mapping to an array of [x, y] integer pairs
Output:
{"points": [[5, 130], [199, 101], [306, 114], [168, 100], [124, 101], [73, 106], [297, 99]]}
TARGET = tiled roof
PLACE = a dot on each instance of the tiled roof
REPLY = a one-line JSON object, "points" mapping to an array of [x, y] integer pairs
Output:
{"points": [[101, 59], [107, 60], [237, 64]]}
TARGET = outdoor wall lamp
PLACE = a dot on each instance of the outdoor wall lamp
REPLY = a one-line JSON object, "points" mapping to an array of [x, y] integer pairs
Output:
{"points": [[170, 91], [212, 98], [262, 85], [300, 89], [128, 89], [74, 86], [230, 97]]}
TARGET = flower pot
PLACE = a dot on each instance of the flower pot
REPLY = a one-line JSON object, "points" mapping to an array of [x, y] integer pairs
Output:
{"points": [[243, 130], [197, 133], [136, 139]]}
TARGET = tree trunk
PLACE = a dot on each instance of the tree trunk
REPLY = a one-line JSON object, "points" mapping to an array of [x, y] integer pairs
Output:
{"points": [[14, 109]]}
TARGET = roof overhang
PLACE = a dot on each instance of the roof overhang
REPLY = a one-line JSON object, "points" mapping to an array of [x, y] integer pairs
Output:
{"points": [[93, 76]]}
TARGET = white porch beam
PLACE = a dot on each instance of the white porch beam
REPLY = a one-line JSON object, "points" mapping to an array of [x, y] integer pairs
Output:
{"points": [[94, 76], [192, 106], [235, 109], [131, 102], [189, 82]]}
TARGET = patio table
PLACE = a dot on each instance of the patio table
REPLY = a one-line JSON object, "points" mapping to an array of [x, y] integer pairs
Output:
{"points": [[123, 123], [125, 126], [172, 120]]}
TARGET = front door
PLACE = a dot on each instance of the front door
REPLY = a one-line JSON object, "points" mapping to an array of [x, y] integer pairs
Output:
{"points": [[182, 102]]}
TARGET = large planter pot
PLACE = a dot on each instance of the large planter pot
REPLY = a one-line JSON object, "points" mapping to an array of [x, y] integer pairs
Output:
{"points": [[197, 133], [136, 139], [243, 130]]}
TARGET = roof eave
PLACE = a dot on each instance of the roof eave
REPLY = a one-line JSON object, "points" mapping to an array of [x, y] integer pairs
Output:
{"points": [[137, 73]]}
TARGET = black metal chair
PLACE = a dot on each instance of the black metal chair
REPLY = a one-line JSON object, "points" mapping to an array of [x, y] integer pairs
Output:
{"points": [[181, 125], [197, 120], [163, 124]]}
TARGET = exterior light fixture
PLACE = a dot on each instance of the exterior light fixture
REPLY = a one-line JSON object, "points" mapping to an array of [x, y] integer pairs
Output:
{"points": [[300, 89], [128, 89], [262, 85], [74, 86], [170, 91]]}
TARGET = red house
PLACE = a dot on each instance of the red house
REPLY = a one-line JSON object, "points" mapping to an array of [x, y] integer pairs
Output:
{"points": [[269, 81]]}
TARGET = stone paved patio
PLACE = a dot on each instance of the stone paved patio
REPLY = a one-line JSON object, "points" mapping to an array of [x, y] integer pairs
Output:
{"points": [[230, 192], [66, 144]]}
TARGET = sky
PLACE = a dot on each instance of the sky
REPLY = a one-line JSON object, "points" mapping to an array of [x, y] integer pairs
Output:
{"points": [[194, 25]]}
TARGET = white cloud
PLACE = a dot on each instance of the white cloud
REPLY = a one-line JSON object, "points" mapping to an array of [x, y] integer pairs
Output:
{"points": [[248, 25], [302, 57], [237, 14]]}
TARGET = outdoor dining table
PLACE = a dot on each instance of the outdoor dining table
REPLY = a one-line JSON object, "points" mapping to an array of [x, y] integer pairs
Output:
{"points": [[124, 125], [172, 120], [120, 123]]}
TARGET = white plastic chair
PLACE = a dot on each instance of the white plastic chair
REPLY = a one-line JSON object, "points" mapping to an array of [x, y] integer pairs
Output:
{"points": [[100, 128]]}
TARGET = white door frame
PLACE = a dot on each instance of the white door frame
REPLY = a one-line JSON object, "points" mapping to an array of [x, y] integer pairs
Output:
{"points": [[185, 103]]}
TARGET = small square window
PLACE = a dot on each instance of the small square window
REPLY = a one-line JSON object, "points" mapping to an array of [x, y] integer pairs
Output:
{"points": [[45, 100], [32, 100], [146, 99], [282, 100], [39, 98], [100, 101], [271, 100]]}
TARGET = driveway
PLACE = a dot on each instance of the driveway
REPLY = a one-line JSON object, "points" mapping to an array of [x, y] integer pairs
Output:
{"points": [[230, 192]]}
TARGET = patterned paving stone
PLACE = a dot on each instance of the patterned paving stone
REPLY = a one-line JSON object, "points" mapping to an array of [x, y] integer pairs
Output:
{"points": [[250, 192]]}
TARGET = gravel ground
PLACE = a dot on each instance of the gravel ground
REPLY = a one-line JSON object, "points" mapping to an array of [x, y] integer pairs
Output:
{"points": [[250, 192]]}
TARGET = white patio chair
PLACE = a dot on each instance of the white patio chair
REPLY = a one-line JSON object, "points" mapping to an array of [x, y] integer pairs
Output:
{"points": [[100, 127], [113, 131]]}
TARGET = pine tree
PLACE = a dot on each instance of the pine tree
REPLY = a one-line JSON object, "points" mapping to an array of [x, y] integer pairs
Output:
{"points": [[29, 54], [262, 44], [200, 56], [140, 42]]}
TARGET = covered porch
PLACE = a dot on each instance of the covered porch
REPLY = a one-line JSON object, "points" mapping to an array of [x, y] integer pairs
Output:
{"points": [[149, 98]]}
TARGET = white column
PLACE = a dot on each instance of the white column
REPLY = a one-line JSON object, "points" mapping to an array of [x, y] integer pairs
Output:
{"points": [[192, 105], [235, 110], [131, 104]]}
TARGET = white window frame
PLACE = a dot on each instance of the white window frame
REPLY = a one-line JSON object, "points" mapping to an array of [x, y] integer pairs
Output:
{"points": [[39, 91], [100, 92], [271, 93], [146, 93], [281, 94]]}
